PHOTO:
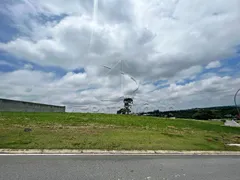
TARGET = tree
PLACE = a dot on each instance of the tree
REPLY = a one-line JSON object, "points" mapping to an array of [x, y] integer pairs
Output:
{"points": [[203, 115], [128, 102], [122, 111]]}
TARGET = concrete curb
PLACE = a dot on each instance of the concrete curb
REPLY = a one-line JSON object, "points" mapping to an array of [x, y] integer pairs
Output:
{"points": [[110, 152]]}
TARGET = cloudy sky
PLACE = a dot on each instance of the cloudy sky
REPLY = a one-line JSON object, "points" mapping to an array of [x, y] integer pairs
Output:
{"points": [[165, 54]]}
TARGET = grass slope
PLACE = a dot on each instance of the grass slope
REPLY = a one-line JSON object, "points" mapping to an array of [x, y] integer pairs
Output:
{"points": [[118, 132]]}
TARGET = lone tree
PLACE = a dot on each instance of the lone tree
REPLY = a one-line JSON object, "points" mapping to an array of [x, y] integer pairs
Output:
{"points": [[128, 102]]}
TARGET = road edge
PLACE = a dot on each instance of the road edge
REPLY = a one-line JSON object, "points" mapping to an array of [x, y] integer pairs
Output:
{"points": [[110, 152]]}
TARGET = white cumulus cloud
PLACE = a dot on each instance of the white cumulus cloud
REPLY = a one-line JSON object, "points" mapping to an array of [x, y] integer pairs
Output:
{"points": [[214, 64], [167, 40]]}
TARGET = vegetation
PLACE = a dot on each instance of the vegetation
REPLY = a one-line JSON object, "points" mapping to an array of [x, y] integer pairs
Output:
{"points": [[128, 102], [204, 115], [226, 112], [118, 132]]}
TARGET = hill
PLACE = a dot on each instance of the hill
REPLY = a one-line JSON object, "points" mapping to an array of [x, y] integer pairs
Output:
{"points": [[112, 132]]}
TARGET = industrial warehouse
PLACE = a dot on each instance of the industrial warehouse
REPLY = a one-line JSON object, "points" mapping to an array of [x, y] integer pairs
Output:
{"points": [[7, 105]]}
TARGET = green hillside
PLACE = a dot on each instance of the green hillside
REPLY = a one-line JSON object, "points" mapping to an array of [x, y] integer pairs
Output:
{"points": [[118, 132]]}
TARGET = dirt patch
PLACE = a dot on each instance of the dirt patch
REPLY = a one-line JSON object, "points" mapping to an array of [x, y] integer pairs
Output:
{"points": [[57, 126], [235, 139], [172, 134], [171, 127], [89, 126], [2, 119], [89, 129]]}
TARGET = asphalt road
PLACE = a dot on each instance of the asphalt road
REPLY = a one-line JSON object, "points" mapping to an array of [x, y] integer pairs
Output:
{"points": [[231, 123], [119, 167]]}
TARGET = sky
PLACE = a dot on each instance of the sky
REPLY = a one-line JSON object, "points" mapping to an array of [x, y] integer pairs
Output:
{"points": [[90, 54]]}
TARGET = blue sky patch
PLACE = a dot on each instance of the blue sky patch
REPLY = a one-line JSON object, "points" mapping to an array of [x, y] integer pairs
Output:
{"points": [[6, 68], [42, 18], [79, 70], [7, 31], [9, 63], [238, 49], [187, 81], [159, 82]]}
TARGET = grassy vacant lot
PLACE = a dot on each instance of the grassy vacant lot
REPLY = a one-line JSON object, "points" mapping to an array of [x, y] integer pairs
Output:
{"points": [[118, 132]]}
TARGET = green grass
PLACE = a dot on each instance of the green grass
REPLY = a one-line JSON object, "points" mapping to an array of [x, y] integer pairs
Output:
{"points": [[118, 132]]}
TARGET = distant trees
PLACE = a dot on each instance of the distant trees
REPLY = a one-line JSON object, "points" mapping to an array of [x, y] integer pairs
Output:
{"points": [[198, 113], [170, 115], [128, 102], [238, 117], [203, 115], [155, 113]]}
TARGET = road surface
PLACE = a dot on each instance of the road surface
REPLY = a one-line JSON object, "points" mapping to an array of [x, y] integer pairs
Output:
{"points": [[119, 167], [231, 123]]}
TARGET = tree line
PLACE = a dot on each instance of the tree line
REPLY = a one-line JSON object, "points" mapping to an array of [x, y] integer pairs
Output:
{"points": [[222, 112]]}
